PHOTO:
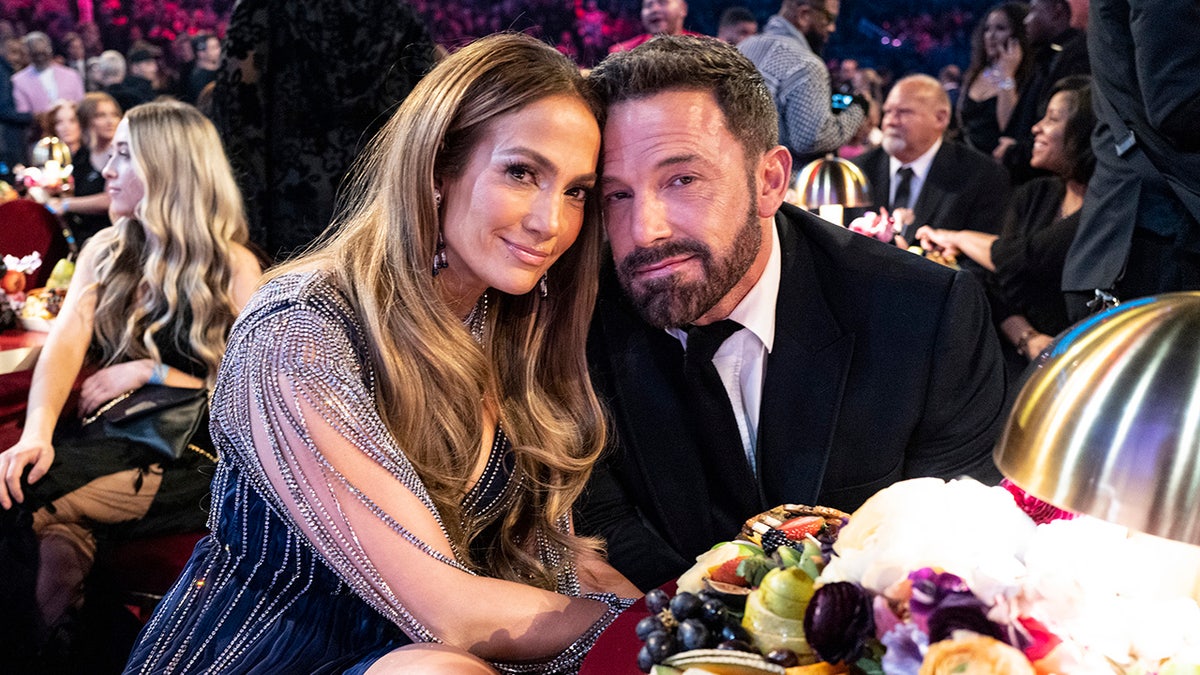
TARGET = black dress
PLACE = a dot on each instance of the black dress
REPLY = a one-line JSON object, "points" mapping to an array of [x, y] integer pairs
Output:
{"points": [[301, 90], [88, 181], [180, 503], [1029, 257], [980, 130]]}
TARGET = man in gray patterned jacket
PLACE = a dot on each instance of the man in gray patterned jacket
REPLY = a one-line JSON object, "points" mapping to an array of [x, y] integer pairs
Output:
{"points": [[788, 54]]}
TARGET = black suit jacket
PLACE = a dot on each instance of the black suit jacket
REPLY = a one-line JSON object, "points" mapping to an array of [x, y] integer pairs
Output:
{"points": [[1145, 55], [885, 366], [965, 189]]}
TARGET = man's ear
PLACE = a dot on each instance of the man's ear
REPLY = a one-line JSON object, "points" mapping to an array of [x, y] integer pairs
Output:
{"points": [[772, 180]]}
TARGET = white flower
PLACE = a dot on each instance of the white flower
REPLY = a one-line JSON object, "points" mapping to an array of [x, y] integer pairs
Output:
{"points": [[962, 527]]}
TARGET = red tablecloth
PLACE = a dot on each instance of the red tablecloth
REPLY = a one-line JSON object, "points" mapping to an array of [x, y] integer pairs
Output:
{"points": [[615, 652], [14, 386]]}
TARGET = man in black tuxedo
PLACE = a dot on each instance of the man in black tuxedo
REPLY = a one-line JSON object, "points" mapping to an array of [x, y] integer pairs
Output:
{"points": [[851, 364], [948, 185], [1140, 229]]}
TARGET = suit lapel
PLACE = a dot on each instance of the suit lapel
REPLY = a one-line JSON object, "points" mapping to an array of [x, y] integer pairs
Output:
{"points": [[935, 191], [655, 429], [806, 375]]}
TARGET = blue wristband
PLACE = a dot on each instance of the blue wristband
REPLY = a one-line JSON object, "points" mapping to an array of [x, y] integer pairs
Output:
{"points": [[158, 374]]}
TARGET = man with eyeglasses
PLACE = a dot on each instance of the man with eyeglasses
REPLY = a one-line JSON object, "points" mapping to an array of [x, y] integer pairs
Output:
{"points": [[788, 54]]}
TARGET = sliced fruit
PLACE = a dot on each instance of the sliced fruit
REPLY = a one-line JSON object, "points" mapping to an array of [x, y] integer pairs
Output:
{"points": [[727, 572], [802, 526]]}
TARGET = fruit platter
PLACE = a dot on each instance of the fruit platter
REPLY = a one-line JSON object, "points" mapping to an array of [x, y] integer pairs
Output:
{"points": [[929, 577]]}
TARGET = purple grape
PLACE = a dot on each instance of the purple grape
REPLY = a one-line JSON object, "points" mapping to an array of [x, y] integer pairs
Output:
{"points": [[649, 625], [713, 612], [783, 657], [693, 634], [660, 644], [685, 606], [733, 631], [657, 600], [735, 646], [644, 661]]}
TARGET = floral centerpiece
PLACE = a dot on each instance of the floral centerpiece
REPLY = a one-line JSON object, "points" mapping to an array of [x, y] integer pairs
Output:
{"points": [[932, 577]]}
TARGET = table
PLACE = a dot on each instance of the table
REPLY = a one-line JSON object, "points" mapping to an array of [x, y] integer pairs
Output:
{"points": [[615, 651], [19, 350]]}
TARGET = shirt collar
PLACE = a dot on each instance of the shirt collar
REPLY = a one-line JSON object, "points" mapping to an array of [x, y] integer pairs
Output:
{"points": [[920, 165], [756, 311]]}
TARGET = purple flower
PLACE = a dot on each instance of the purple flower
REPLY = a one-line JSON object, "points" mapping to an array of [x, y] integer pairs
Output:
{"points": [[839, 621], [941, 603], [906, 645], [930, 589]]}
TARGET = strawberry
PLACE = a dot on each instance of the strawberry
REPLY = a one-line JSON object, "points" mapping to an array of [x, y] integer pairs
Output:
{"points": [[797, 529], [726, 572]]}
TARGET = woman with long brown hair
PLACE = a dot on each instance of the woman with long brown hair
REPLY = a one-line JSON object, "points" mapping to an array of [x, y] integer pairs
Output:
{"points": [[404, 414]]}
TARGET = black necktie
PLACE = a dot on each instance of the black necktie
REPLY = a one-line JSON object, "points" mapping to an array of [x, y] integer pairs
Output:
{"points": [[733, 489], [903, 188]]}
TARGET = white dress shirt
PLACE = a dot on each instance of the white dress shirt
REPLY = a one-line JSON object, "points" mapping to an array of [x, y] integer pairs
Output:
{"points": [[920, 167], [741, 360]]}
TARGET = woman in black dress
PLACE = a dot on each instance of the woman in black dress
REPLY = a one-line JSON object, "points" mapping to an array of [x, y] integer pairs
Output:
{"points": [[86, 208], [1000, 66], [1027, 257]]}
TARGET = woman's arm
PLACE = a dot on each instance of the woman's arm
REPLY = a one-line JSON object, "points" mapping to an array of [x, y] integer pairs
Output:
{"points": [[1006, 92], [1021, 334], [318, 442], [246, 275], [54, 375], [88, 205], [975, 245]]}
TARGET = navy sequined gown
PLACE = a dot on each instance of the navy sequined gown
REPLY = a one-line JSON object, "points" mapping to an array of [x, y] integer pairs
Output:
{"points": [[258, 596]]}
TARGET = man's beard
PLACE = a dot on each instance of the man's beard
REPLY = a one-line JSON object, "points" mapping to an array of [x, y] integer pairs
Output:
{"points": [[816, 42], [669, 302], [893, 145]]}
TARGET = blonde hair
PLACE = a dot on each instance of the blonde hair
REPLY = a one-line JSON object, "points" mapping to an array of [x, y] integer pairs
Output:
{"points": [[168, 269], [431, 374]]}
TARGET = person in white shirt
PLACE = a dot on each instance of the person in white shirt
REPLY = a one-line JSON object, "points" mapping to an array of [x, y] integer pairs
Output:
{"points": [[750, 353]]}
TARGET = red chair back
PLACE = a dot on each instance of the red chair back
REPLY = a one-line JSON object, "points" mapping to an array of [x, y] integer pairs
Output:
{"points": [[25, 227]]}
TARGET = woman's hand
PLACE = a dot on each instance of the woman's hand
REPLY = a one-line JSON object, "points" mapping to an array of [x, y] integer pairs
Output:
{"points": [[39, 454], [1037, 344], [943, 241], [109, 383], [1009, 60], [1002, 147]]}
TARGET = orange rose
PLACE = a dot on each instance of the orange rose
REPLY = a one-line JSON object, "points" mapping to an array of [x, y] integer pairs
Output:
{"points": [[974, 655]]}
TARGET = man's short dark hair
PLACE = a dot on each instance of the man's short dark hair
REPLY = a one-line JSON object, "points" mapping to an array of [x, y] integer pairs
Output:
{"points": [[735, 15], [687, 63]]}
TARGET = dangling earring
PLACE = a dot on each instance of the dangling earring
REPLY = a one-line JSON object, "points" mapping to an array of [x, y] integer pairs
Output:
{"points": [[439, 256], [542, 287]]}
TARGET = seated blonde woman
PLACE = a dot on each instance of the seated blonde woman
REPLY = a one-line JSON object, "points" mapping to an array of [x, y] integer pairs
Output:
{"points": [[151, 302]]}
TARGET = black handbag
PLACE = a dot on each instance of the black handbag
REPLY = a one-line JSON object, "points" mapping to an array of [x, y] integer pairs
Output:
{"points": [[157, 416]]}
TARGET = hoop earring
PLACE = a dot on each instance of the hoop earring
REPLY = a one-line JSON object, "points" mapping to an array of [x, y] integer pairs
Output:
{"points": [[542, 288], [439, 256], [437, 198]]}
